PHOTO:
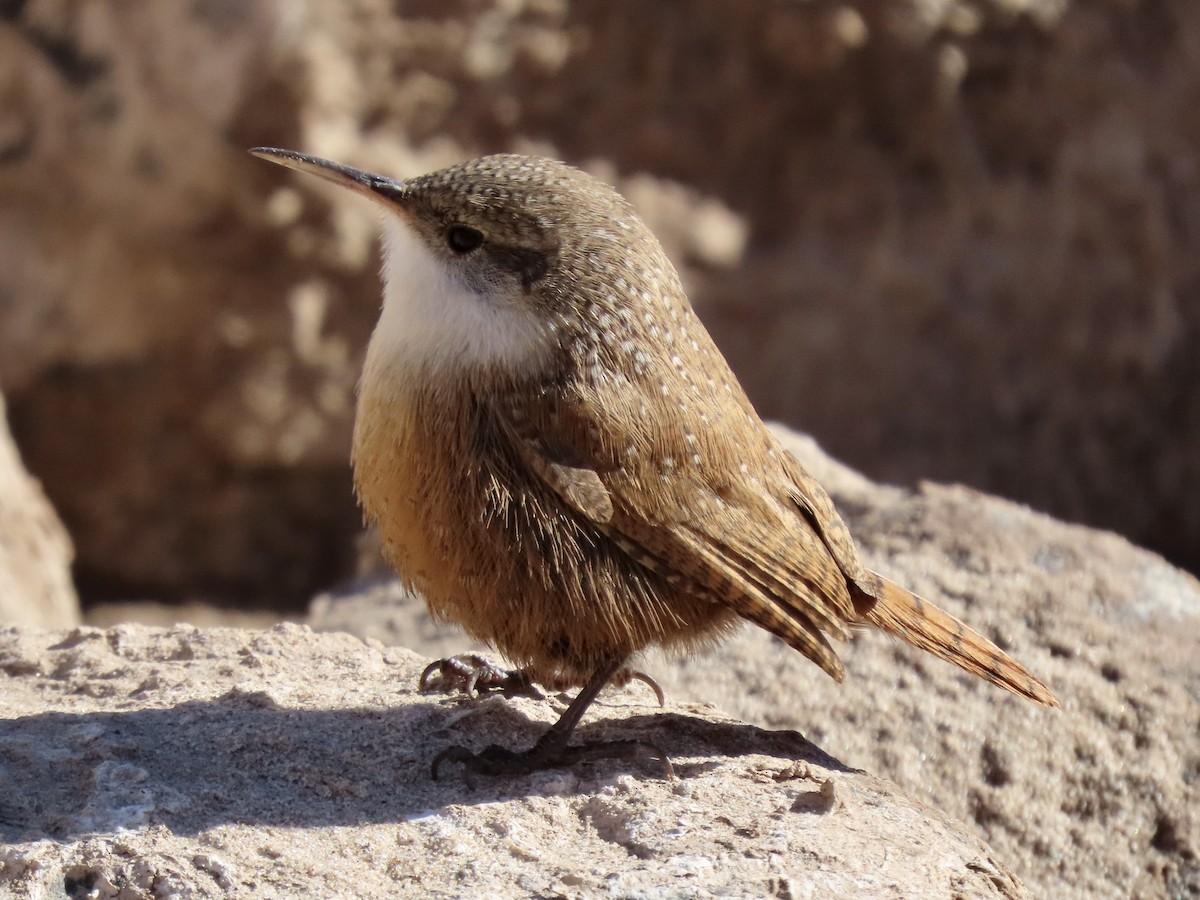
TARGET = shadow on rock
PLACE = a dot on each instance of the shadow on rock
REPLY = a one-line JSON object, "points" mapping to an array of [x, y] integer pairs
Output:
{"points": [[242, 758]]}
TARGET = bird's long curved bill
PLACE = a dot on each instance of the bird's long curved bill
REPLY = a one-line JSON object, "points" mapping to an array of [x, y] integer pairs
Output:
{"points": [[368, 184]]}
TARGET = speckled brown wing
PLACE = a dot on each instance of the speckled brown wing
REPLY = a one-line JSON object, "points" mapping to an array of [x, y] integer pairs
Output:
{"points": [[720, 520], [798, 595], [818, 507], [578, 486]]}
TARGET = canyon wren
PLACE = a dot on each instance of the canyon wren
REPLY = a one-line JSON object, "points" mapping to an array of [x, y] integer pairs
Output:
{"points": [[558, 457]]}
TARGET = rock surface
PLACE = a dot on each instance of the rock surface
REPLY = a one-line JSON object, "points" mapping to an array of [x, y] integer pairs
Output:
{"points": [[35, 550], [885, 209], [1098, 799], [283, 763]]}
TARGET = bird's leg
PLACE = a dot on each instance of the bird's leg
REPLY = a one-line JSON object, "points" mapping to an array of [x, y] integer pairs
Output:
{"points": [[552, 749], [474, 674]]}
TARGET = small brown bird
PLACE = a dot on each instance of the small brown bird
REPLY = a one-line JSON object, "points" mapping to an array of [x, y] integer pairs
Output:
{"points": [[559, 458]]}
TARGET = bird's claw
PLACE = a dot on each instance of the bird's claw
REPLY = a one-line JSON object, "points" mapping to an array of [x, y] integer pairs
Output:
{"points": [[472, 674], [625, 676]]}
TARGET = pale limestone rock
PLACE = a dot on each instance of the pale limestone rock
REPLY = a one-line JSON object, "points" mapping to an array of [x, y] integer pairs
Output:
{"points": [[35, 550], [284, 763]]}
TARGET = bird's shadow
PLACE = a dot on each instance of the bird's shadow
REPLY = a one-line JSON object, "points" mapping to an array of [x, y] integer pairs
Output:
{"points": [[240, 758]]}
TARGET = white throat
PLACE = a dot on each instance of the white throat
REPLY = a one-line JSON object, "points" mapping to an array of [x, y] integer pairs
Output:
{"points": [[432, 319]]}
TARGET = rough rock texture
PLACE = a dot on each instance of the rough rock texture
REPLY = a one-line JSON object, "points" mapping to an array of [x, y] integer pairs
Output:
{"points": [[35, 551], [1098, 799], [284, 763], [953, 240]]}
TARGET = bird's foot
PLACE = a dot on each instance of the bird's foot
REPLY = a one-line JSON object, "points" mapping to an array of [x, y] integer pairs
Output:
{"points": [[472, 674], [552, 749], [496, 760]]}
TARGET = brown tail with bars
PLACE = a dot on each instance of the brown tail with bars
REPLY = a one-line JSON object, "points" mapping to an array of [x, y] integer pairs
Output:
{"points": [[904, 614]]}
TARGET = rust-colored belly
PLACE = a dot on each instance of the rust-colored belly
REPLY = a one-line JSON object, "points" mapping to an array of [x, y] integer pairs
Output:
{"points": [[497, 552]]}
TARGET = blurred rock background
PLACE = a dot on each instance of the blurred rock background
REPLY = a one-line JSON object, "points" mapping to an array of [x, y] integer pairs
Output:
{"points": [[952, 240]]}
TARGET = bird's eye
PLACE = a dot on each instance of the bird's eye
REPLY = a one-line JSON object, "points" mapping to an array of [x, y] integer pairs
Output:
{"points": [[463, 239]]}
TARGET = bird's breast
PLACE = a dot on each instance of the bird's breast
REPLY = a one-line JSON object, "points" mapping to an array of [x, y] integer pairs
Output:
{"points": [[410, 447]]}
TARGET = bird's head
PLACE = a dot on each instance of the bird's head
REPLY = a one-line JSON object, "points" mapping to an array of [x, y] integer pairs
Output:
{"points": [[501, 260]]}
